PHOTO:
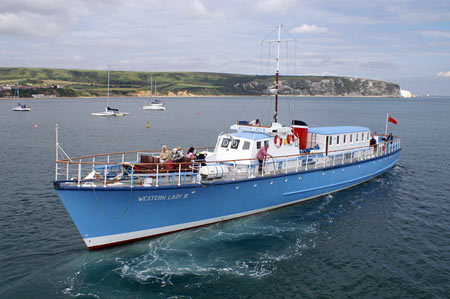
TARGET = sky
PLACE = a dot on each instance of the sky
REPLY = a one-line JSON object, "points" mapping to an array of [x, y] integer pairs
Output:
{"points": [[401, 41]]}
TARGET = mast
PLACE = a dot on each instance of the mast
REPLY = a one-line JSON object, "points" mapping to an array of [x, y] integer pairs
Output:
{"points": [[277, 74], [107, 98]]}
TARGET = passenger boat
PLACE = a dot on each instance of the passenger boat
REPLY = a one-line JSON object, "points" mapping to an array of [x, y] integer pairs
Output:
{"points": [[121, 197]]}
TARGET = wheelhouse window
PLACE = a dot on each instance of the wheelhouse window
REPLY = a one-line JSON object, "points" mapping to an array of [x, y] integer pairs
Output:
{"points": [[330, 140], [246, 145], [356, 135], [337, 140], [367, 136], [258, 145], [351, 138], [362, 136], [345, 139], [266, 142], [225, 142], [235, 143]]}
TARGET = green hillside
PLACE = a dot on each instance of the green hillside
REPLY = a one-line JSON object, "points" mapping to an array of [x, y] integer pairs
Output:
{"points": [[78, 83]]}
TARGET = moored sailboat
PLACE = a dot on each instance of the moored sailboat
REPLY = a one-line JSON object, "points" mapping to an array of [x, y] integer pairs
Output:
{"points": [[154, 104], [108, 110], [19, 106]]}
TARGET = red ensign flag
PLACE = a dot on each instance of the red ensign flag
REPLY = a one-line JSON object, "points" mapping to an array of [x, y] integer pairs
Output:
{"points": [[392, 120]]}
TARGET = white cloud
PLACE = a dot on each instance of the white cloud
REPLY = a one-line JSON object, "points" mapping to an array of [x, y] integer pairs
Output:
{"points": [[434, 33], [195, 8], [270, 6], [444, 74], [38, 18], [112, 42], [308, 29]]}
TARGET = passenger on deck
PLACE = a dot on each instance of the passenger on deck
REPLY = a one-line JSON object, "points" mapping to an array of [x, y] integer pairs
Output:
{"points": [[191, 153], [175, 155], [180, 150], [373, 143], [254, 122], [261, 156], [390, 137], [164, 155]]}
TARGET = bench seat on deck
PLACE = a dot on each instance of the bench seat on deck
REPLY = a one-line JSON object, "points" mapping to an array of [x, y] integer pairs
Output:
{"points": [[148, 164]]}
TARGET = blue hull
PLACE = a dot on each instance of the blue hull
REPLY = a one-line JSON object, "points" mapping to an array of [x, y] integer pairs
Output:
{"points": [[111, 215]]}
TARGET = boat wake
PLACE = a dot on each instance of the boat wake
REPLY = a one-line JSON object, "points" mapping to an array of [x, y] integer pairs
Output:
{"points": [[251, 247]]}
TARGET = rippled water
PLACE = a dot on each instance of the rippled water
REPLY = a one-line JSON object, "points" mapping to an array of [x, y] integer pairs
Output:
{"points": [[389, 237]]}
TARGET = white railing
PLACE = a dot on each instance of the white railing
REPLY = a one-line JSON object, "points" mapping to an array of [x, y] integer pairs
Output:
{"points": [[124, 168]]}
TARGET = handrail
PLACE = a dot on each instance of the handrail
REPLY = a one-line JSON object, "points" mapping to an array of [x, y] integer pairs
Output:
{"points": [[307, 159], [343, 151], [128, 152]]}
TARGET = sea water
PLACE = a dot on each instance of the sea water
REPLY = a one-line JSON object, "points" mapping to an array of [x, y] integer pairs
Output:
{"points": [[389, 237]]}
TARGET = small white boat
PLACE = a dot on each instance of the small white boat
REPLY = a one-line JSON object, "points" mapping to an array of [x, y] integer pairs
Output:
{"points": [[20, 107], [154, 104], [108, 110]]}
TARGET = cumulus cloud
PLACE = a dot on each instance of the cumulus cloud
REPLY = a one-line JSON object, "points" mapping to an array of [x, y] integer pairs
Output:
{"points": [[308, 29], [444, 74], [37, 18]]}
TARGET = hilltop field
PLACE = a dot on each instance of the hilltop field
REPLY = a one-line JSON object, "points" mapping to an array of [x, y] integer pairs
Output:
{"points": [[91, 83]]}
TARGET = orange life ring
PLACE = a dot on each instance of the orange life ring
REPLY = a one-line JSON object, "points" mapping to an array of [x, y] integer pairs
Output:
{"points": [[278, 140]]}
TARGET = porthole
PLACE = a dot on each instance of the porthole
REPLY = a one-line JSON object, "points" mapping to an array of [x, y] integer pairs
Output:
{"points": [[237, 187]]}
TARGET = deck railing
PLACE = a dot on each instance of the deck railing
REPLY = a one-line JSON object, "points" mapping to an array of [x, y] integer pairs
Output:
{"points": [[119, 168]]}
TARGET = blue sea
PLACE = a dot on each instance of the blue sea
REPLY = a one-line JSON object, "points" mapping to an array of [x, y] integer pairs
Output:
{"points": [[386, 238]]}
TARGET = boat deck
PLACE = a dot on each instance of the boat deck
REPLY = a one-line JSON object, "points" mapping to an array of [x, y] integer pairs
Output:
{"points": [[105, 171]]}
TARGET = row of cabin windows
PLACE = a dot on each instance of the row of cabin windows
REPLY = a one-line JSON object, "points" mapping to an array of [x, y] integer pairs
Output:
{"points": [[364, 136], [234, 143]]}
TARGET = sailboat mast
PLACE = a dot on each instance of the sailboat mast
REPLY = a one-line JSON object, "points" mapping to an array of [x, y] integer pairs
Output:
{"points": [[107, 99], [275, 113]]}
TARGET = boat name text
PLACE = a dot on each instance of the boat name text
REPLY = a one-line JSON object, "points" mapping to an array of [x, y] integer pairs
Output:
{"points": [[163, 197]]}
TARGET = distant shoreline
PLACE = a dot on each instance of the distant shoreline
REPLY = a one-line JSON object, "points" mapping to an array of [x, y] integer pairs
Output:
{"points": [[207, 96]]}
